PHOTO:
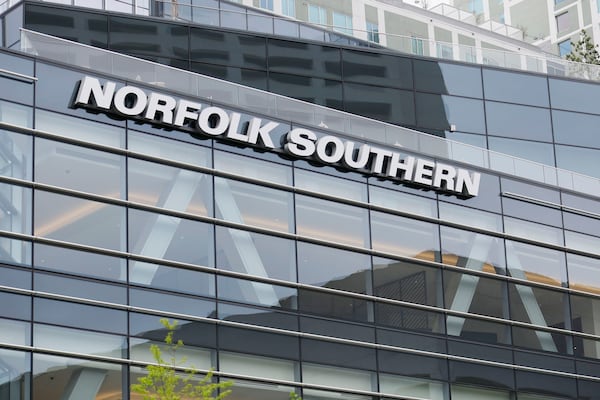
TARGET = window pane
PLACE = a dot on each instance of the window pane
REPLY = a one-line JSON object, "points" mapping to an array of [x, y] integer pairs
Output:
{"points": [[414, 387], [335, 306], [168, 149], [472, 250], [528, 230], [470, 216], [439, 77], [330, 185], [402, 202], [72, 167], [475, 294], [171, 238], [77, 128], [253, 168], [584, 273], [171, 278], [256, 254], [377, 68], [79, 262], [14, 251], [331, 221], [78, 341], [337, 377], [515, 87], [16, 373], [250, 292], [264, 367], [86, 222], [540, 307], [334, 268], [16, 114], [405, 281], [304, 58], [15, 208], [536, 264], [404, 236], [524, 122], [248, 204], [441, 112], [408, 318], [80, 315], [15, 155], [170, 188], [73, 377], [82, 288]]}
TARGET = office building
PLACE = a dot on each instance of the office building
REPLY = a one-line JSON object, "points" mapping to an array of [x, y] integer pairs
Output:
{"points": [[333, 219]]}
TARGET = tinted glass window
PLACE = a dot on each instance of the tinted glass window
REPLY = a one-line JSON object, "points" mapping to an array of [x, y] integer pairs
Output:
{"points": [[576, 129], [404, 236], [473, 294], [256, 254], [535, 151], [521, 122], [71, 167], [315, 90], [304, 58], [247, 77], [171, 188], [20, 306], [385, 104], [450, 113], [472, 250], [439, 77], [80, 315], [332, 221], [377, 69], [55, 89], [578, 159], [536, 264], [488, 197], [515, 88], [171, 278], [540, 307], [249, 292], [532, 212], [82, 288], [244, 203], [63, 23], [153, 38], [79, 262], [16, 154], [568, 95], [334, 306], [170, 238], [80, 221], [16, 90], [343, 355], [584, 273], [405, 281], [232, 49], [334, 268]]}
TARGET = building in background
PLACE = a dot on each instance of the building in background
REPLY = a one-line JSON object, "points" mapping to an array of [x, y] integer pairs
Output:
{"points": [[456, 261], [549, 25]]}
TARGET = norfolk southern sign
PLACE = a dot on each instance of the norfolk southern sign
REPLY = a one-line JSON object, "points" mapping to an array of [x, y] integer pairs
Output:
{"points": [[166, 110]]}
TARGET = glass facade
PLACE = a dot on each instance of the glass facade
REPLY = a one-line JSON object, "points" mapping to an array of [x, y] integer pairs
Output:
{"points": [[286, 275], [536, 117]]}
